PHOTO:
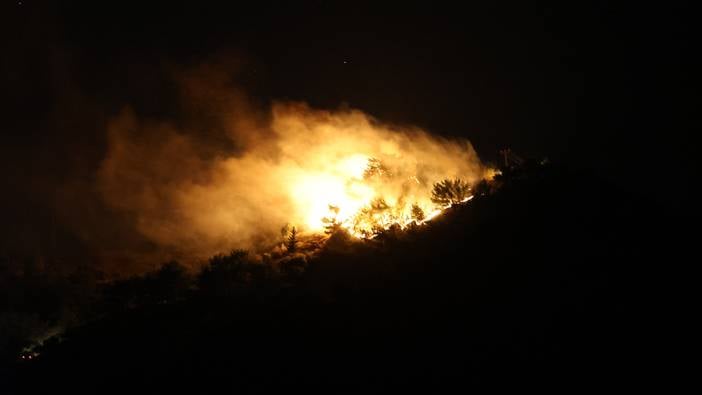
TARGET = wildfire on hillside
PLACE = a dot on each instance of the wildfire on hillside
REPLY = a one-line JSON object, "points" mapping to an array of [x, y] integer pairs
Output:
{"points": [[313, 169], [363, 196]]}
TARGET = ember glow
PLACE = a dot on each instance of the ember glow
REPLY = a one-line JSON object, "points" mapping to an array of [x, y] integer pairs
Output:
{"points": [[312, 169]]}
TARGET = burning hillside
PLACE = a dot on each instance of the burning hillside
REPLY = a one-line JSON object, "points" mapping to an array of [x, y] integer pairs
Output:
{"points": [[315, 170]]}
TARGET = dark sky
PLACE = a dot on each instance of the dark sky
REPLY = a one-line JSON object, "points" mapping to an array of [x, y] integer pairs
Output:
{"points": [[603, 87]]}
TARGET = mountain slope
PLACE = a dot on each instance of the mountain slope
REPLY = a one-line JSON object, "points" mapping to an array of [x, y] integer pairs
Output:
{"points": [[546, 281]]}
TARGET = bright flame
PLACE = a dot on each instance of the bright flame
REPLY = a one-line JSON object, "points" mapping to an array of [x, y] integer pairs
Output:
{"points": [[316, 192], [359, 193]]}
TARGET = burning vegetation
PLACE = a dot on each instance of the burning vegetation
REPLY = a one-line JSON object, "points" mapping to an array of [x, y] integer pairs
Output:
{"points": [[317, 171], [376, 214], [363, 177]]}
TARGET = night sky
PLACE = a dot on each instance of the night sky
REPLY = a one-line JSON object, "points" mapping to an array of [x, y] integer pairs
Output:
{"points": [[601, 87]]}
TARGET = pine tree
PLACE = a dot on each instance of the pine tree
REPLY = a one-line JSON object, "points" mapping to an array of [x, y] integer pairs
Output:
{"points": [[448, 192], [291, 243], [417, 213]]}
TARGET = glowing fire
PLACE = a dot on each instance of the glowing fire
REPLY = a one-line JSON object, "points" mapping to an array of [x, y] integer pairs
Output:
{"points": [[342, 187], [313, 169], [353, 194], [347, 171]]}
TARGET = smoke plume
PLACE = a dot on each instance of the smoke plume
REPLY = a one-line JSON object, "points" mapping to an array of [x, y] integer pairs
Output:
{"points": [[230, 176]]}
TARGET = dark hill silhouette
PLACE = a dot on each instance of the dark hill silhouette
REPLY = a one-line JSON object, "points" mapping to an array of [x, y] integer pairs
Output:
{"points": [[546, 282]]}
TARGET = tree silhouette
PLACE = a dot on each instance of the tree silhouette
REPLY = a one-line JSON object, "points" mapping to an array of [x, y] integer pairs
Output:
{"points": [[291, 242], [448, 192], [417, 213]]}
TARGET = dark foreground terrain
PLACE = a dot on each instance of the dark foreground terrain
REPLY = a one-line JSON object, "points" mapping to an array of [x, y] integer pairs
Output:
{"points": [[556, 280]]}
